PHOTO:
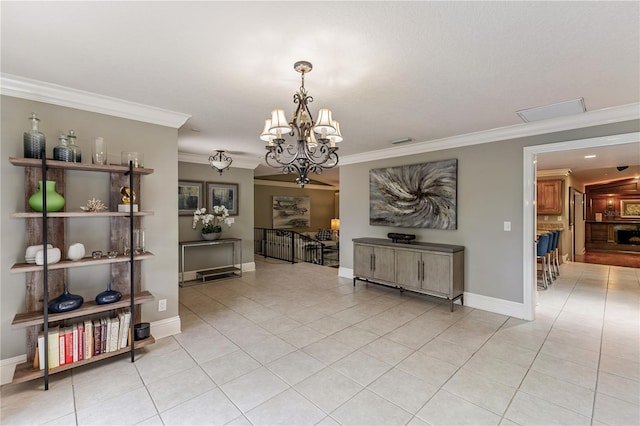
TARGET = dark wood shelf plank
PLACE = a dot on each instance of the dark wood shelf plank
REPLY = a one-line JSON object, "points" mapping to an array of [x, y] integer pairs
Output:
{"points": [[25, 371], [88, 167], [27, 319]]}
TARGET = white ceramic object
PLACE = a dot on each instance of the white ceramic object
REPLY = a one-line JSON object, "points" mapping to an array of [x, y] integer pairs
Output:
{"points": [[30, 253], [76, 251], [53, 256]]}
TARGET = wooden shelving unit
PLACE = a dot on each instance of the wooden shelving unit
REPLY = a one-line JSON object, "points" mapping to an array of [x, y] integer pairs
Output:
{"points": [[68, 264], [27, 319], [25, 371], [23, 215], [43, 227], [87, 167]]}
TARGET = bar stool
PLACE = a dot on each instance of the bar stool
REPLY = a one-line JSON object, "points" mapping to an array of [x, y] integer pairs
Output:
{"points": [[553, 242], [542, 254], [555, 261]]}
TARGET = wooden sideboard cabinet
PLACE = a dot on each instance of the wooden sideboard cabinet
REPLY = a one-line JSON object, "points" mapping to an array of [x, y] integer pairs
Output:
{"points": [[429, 268], [549, 196]]}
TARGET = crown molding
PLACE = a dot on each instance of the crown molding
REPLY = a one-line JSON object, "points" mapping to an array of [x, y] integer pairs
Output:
{"points": [[238, 162], [592, 118], [40, 91], [293, 185], [553, 172]]}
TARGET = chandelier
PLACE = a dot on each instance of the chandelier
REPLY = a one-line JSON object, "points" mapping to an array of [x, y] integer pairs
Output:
{"points": [[315, 149], [219, 161]]}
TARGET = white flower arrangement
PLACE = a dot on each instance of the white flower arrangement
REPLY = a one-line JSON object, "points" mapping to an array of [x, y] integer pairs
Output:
{"points": [[211, 222]]}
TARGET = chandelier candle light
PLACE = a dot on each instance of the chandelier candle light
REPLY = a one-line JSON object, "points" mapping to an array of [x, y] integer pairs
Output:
{"points": [[316, 147]]}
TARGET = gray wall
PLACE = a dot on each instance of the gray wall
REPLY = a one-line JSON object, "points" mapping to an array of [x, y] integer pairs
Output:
{"points": [[198, 258], [159, 145], [490, 191]]}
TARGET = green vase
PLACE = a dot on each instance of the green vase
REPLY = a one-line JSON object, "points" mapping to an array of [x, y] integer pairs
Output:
{"points": [[55, 201]]}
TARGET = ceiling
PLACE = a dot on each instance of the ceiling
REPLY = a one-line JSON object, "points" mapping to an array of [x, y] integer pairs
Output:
{"points": [[388, 70]]}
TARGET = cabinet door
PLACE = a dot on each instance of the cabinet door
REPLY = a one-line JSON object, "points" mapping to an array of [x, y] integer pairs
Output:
{"points": [[408, 268], [385, 262], [549, 197], [437, 273], [362, 261]]}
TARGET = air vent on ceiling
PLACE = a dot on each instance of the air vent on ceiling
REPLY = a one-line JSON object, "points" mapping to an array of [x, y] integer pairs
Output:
{"points": [[546, 112]]}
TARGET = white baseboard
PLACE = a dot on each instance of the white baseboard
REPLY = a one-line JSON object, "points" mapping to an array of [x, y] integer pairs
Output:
{"points": [[159, 329], [8, 367], [345, 272], [166, 327], [191, 275], [472, 300], [492, 304]]}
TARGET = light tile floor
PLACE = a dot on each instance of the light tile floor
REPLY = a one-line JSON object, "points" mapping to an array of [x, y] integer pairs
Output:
{"points": [[295, 344]]}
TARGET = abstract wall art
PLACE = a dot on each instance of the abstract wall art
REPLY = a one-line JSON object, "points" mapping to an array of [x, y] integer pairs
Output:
{"points": [[415, 196], [291, 212]]}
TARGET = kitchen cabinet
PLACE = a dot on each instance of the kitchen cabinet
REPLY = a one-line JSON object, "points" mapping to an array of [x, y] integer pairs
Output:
{"points": [[549, 197]]}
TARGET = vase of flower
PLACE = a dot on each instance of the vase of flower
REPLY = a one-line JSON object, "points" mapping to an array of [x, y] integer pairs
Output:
{"points": [[211, 236], [211, 223]]}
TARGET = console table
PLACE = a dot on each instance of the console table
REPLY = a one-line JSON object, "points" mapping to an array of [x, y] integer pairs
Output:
{"points": [[234, 245], [429, 268]]}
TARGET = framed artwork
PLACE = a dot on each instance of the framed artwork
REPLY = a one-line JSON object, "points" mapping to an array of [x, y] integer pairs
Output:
{"points": [[630, 208], [291, 212], [223, 194], [190, 196], [572, 205], [415, 196]]}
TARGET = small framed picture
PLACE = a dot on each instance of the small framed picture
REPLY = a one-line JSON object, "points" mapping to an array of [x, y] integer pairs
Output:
{"points": [[223, 194], [630, 208], [190, 197]]}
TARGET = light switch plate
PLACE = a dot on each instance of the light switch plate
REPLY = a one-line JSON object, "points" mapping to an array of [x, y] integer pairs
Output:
{"points": [[507, 226]]}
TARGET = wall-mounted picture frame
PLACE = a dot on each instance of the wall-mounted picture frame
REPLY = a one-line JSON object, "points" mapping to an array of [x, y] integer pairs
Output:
{"points": [[415, 196], [630, 208], [291, 212], [223, 194], [191, 196]]}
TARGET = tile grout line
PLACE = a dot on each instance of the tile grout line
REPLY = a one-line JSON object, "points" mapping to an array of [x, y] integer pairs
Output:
{"points": [[604, 315], [538, 351]]}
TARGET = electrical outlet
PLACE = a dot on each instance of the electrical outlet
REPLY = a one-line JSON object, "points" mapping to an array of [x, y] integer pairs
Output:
{"points": [[162, 305], [559, 218], [546, 218]]}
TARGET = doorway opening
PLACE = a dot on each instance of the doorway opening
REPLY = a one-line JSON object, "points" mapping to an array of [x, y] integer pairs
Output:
{"points": [[529, 213]]}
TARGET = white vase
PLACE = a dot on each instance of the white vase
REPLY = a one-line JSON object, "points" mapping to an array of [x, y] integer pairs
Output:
{"points": [[211, 236], [76, 251]]}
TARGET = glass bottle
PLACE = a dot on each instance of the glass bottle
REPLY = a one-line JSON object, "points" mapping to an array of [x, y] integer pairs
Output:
{"points": [[33, 140], [63, 151], [77, 153]]}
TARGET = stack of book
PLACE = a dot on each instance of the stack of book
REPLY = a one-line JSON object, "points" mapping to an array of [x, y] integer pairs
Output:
{"points": [[85, 339]]}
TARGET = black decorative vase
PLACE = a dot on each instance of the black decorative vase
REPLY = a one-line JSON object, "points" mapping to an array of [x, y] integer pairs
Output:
{"points": [[108, 296], [65, 302]]}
